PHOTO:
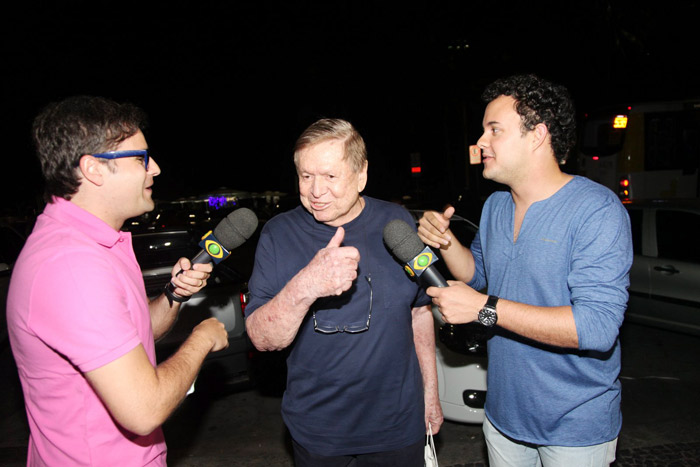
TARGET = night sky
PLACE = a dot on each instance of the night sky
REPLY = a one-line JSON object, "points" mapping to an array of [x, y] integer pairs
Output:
{"points": [[229, 85]]}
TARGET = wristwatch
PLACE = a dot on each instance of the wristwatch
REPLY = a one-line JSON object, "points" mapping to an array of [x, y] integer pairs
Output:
{"points": [[488, 315]]}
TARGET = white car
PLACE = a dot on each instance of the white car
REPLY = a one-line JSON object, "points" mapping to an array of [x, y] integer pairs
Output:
{"points": [[461, 370], [460, 351]]}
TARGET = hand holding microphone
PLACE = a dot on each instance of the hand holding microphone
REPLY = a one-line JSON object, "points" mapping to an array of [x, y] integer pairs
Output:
{"points": [[230, 233], [456, 301], [188, 279], [405, 244]]}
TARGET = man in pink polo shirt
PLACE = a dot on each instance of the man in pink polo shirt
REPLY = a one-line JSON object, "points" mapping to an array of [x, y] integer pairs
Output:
{"points": [[81, 327]]}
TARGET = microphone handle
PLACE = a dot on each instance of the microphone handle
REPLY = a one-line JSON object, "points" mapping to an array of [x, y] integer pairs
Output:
{"points": [[201, 258], [431, 277]]}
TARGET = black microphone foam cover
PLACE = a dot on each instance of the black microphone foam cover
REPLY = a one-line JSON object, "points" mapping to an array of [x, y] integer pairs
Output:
{"points": [[236, 228], [402, 240]]}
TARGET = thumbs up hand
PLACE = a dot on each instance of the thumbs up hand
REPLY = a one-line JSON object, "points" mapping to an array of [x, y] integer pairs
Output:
{"points": [[333, 269], [434, 228]]}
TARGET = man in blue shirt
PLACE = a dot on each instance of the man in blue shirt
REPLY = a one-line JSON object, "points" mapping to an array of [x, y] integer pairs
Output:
{"points": [[362, 379], [554, 255]]}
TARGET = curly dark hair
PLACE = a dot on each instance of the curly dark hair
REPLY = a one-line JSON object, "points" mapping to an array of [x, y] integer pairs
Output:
{"points": [[64, 131], [539, 101]]}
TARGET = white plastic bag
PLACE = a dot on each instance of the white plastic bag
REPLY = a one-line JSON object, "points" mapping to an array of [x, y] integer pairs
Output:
{"points": [[430, 455]]}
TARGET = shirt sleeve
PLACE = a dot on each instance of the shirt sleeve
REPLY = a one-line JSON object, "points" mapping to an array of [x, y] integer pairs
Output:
{"points": [[79, 311], [599, 275], [263, 284]]}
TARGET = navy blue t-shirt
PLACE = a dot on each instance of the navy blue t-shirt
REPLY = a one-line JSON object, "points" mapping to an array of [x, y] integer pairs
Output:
{"points": [[347, 393]]}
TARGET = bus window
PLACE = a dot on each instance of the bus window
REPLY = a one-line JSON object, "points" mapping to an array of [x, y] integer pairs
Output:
{"points": [[600, 138], [672, 141]]}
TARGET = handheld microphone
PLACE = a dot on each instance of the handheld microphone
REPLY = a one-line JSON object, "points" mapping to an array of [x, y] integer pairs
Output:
{"points": [[230, 233], [407, 246]]}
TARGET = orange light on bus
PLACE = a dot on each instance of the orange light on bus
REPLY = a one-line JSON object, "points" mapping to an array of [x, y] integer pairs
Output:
{"points": [[620, 121], [624, 191]]}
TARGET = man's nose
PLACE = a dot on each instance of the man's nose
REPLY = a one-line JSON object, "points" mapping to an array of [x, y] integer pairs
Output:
{"points": [[153, 167], [483, 141], [318, 187]]}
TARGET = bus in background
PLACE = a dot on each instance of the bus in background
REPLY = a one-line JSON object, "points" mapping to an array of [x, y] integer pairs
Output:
{"points": [[644, 151]]}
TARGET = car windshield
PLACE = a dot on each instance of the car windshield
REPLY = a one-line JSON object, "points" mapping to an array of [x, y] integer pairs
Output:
{"points": [[160, 249]]}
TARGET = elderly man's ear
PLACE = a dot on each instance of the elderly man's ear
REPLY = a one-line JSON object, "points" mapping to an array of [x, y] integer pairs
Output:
{"points": [[362, 178]]}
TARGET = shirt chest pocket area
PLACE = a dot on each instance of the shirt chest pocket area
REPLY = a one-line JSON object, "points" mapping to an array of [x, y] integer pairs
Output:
{"points": [[391, 286], [542, 254]]}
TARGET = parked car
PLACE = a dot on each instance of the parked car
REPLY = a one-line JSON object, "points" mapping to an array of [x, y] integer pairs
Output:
{"points": [[460, 350], [224, 297], [665, 276]]}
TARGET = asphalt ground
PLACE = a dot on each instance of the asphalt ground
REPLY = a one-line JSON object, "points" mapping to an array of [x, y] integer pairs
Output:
{"points": [[241, 425]]}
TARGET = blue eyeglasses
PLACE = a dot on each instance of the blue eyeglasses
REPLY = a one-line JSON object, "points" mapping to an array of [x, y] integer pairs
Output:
{"points": [[119, 154]]}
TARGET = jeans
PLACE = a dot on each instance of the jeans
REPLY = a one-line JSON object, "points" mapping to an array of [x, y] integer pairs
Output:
{"points": [[505, 452]]}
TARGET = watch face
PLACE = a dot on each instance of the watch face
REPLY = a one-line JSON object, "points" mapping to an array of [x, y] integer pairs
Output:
{"points": [[488, 316]]}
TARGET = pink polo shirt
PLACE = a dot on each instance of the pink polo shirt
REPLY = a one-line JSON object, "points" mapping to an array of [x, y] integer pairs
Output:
{"points": [[77, 302]]}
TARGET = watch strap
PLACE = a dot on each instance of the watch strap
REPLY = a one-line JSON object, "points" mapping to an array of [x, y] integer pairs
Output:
{"points": [[491, 302]]}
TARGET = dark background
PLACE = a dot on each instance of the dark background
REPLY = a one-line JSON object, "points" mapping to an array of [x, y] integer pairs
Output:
{"points": [[229, 85]]}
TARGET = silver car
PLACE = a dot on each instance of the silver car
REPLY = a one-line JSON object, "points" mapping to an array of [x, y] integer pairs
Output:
{"points": [[665, 276]]}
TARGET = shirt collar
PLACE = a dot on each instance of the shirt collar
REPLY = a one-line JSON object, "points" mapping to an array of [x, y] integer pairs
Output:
{"points": [[67, 212]]}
